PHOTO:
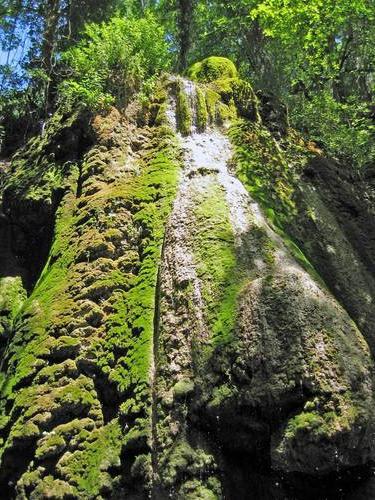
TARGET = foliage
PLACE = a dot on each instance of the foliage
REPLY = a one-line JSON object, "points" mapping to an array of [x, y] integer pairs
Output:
{"points": [[318, 36], [327, 75], [317, 56], [33, 34], [115, 60], [183, 112], [218, 269], [344, 129]]}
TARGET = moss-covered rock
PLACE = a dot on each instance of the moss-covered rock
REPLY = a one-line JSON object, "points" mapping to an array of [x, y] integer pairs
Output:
{"points": [[83, 340], [317, 207], [176, 323], [276, 363], [212, 68], [183, 109], [221, 94]]}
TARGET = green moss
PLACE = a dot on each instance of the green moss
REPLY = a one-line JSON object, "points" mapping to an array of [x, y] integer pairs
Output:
{"points": [[302, 423], [158, 104], [151, 194], [50, 446], [321, 423], [271, 175], [202, 113], [92, 311], [212, 99], [215, 103], [263, 169], [245, 100], [194, 490], [87, 468], [179, 459], [183, 388], [42, 307], [50, 486], [141, 470], [12, 296], [300, 257], [161, 116], [226, 113], [183, 110], [37, 175], [183, 462], [221, 396], [212, 68], [217, 264]]}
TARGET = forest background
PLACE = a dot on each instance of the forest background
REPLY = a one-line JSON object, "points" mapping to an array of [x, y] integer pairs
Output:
{"points": [[316, 56]]}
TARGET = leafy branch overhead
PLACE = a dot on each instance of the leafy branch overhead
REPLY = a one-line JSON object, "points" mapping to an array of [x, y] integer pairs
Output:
{"points": [[318, 57]]}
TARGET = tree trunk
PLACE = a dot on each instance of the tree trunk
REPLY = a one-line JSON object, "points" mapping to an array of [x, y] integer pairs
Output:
{"points": [[51, 21], [185, 22]]}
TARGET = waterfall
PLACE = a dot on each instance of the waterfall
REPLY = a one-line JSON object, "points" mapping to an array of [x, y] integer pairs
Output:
{"points": [[207, 159], [208, 299]]}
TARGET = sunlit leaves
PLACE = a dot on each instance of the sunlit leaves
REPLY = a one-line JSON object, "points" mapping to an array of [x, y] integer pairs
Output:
{"points": [[115, 60], [313, 31]]}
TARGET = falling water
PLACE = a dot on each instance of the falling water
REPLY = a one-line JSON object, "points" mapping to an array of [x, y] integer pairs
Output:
{"points": [[207, 158]]}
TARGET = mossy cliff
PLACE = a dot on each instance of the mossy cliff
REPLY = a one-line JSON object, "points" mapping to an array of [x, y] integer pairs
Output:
{"points": [[173, 318], [76, 390]]}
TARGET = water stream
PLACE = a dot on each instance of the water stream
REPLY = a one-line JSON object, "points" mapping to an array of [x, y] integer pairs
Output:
{"points": [[207, 157]]}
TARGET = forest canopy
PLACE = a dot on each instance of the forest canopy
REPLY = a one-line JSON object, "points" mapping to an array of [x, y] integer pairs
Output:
{"points": [[317, 56]]}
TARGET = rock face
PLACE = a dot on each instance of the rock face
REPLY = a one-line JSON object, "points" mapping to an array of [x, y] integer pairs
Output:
{"points": [[174, 322]]}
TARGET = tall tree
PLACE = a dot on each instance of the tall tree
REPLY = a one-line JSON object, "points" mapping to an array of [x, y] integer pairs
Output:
{"points": [[44, 28], [51, 17], [185, 14]]}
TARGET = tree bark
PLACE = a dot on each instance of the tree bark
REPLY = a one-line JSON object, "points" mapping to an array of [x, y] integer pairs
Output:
{"points": [[51, 21], [185, 21]]}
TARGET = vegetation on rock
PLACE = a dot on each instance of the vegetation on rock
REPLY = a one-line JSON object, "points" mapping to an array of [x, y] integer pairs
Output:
{"points": [[212, 68], [187, 262]]}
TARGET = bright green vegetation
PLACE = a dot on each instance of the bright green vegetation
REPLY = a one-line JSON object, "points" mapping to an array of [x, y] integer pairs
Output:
{"points": [[309, 54], [182, 389], [266, 171], [345, 129], [221, 94], [220, 97], [316, 56], [91, 311], [84, 467], [84, 409], [211, 69], [217, 264], [271, 174], [12, 296], [202, 112], [183, 110], [185, 462], [131, 324], [40, 171], [114, 61]]}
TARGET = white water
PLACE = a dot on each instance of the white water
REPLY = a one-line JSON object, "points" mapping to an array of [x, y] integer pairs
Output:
{"points": [[208, 153], [207, 157]]}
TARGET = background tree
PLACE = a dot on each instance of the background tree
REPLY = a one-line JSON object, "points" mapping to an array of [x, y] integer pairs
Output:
{"points": [[115, 60], [32, 35], [316, 56]]}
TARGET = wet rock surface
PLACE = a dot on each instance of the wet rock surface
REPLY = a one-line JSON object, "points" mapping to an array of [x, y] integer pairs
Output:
{"points": [[173, 342], [292, 378]]}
